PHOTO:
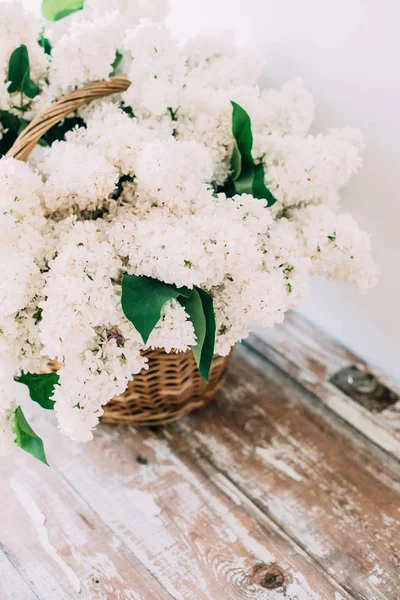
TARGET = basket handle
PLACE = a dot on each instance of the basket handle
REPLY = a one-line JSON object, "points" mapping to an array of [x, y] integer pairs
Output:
{"points": [[29, 137]]}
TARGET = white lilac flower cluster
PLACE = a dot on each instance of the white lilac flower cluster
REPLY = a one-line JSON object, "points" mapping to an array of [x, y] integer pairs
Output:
{"points": [[18, 27], [138, 188]]}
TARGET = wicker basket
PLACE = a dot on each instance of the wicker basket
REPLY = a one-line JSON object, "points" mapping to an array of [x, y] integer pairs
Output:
{"points": [[172, 385]]}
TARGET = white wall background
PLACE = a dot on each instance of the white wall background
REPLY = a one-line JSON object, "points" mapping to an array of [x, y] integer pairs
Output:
{"points": [[348, 53]]}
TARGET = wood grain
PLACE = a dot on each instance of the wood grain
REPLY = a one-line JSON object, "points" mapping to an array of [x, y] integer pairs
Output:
{"points": [[12, 585], [311, 479], [312, 357], [262, 495], [192, 537], [58, 544]]}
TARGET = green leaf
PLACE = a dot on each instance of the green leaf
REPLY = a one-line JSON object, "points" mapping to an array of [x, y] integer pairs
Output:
{"points": [[236, 162], [30, 88], [23, 123], [18, 66], [199, 307], [143, 298], [26, 438], [54, 10], [41, 387], [43, 143], [8, 120], [260, 190], [11, 123], [244, 183], [194, 308], [241, 129], [209, 341], [247, 177], [44, 42], [116, 63], [242, 163], [19, 73]]}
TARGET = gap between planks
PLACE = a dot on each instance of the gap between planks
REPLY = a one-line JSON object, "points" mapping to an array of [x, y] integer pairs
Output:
{"points": [[311, 357], [194, 539], [336, 501], [215, 531]]}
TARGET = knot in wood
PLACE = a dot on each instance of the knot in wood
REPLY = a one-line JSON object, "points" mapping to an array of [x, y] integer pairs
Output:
{"points": [[270, 576], [142, 460]]}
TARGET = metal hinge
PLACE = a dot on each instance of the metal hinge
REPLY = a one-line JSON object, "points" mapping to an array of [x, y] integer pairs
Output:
{"points": [[364, 388]]}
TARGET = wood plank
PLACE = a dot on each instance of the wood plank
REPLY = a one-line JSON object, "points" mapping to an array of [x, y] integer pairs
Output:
{"points": [[312, 357], [198, 541], [257, 496], [59, 546], [12, 586], [338, 503]]}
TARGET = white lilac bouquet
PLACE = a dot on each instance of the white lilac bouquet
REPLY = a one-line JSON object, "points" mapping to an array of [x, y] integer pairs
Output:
{"points": [[174, 215]]}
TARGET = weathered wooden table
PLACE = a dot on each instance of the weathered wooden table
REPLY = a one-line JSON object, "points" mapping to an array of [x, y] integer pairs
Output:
{"points": [[283, 488]]}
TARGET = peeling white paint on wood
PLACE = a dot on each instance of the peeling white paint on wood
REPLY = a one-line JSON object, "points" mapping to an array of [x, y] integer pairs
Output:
{"points": [[272, 456], [144, 503], [196, 521], [374, 579], [101, 562], [312, 357], [39, 523], [289, 511], [331, 501], [258, 483], [12, 585], [300, 589]]}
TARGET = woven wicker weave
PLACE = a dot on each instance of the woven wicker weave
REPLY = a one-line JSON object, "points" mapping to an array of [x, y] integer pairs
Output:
{"points": [[170, 388], [172, 385]]}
